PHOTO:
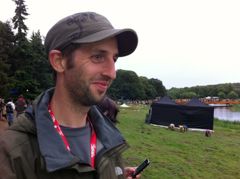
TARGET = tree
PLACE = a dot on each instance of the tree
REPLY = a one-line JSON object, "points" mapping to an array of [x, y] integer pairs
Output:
{"points": [[221, 95], [21, 64], [21, 32], [21, 41], [188, 95], [126, 86], [39, 67], [6, 46], [129, 86], [18, 20], [149, 90], [160, 89], [173, 93], [232, 95]]}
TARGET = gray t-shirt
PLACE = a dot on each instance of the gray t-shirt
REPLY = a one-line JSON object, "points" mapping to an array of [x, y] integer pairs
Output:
{"points": [[79, 141]]}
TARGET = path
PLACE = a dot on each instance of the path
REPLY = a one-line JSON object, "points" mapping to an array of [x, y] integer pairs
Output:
{"points": [[3, 125]]}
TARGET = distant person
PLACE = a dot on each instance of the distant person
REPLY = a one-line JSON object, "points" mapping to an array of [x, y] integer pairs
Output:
{"points": [[2, 105], [63, 135], [21, 105], [109, 108], [10, 107]]}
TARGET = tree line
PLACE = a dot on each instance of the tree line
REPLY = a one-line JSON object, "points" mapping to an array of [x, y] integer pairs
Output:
{"points": [[128, 85], [24, 69], [223, 91]]}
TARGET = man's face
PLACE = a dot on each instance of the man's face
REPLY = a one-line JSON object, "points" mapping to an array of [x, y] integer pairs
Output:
{"points": [[92, 73]]}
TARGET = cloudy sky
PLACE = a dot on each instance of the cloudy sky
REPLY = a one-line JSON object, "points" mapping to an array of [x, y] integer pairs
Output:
{"points": [[183, 43]]}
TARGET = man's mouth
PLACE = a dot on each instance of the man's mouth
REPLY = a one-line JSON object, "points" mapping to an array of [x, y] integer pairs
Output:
{"points": [[101, 86]]}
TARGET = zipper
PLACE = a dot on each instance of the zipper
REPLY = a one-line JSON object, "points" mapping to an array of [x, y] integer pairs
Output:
{"points": [[102, 158]]}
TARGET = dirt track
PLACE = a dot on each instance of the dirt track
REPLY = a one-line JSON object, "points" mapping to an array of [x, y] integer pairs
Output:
{"points": [[3, 125]]}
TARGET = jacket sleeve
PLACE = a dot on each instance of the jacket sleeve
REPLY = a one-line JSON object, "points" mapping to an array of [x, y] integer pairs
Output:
{"points": [[16, 156], [6, 165]]}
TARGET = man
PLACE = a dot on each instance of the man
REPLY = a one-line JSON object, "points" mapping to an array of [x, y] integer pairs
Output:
{"points": [[109, 108], [64, 135], [10, 107], [1, 108], [21, 105]]}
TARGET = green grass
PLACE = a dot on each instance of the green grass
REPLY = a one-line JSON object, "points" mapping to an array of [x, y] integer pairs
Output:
{"points": [[180, 155]]}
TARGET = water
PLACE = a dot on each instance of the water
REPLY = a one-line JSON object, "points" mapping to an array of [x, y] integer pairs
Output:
{"points": [[224, 113]]}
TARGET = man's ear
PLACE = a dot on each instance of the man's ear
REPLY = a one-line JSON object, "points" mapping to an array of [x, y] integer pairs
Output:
{"points": [[56, 60]]}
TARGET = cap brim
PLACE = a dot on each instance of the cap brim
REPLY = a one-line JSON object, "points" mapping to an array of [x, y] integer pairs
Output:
{"points": [[127, 39]]}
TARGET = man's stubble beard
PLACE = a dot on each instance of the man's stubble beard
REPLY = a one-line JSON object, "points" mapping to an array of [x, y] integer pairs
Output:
{"points": [[78, 87], [80, 93]]}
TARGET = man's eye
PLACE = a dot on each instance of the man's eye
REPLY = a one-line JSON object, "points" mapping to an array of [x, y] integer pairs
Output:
{"points": [[97, 58]]}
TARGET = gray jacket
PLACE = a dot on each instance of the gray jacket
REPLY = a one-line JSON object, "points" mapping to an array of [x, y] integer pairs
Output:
{"points": [[31, 149]]}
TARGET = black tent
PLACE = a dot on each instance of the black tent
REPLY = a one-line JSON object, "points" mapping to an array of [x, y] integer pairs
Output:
{"points": [[194, 114], [165, 100], [196, 102]]}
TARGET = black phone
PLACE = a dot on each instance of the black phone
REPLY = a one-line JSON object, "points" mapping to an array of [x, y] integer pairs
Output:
{"points": [[141, 167]]}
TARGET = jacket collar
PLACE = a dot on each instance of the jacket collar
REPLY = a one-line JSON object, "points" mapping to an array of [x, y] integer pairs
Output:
{"points": [[51, 145]]}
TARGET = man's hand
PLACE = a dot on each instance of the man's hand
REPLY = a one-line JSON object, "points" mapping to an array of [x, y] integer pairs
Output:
{"points": [[128, 171]]}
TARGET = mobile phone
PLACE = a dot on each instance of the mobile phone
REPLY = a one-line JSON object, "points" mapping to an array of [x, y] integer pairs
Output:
{"points": [[141, 167]]}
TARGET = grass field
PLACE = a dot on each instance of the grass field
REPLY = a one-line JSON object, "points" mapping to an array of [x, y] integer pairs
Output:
{"points": [[180, 155]]}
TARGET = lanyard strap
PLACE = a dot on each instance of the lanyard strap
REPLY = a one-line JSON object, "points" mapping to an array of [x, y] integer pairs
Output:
{"points": [[93, 139]]}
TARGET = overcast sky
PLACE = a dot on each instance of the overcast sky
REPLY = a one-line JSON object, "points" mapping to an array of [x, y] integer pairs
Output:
{"points": [[183, 43]]}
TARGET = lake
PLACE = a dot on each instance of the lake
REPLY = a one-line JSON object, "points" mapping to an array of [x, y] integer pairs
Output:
{"points": [[224, 113]]}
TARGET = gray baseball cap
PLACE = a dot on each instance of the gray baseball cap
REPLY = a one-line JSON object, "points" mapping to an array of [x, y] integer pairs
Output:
{"points": [[89, 27]]}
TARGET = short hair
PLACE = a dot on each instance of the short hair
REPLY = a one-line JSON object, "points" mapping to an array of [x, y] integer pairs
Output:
{"points": [[109, 108], [67, 52]]}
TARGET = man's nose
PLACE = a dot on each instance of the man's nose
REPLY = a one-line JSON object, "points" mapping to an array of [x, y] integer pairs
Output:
{"points": [[109, 69]]}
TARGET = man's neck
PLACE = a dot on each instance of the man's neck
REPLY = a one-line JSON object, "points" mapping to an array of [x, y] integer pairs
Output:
{"points": [[68, 114]]}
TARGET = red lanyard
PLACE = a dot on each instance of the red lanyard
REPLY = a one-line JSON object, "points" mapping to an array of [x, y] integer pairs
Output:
{"points": [[93, 140]]}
